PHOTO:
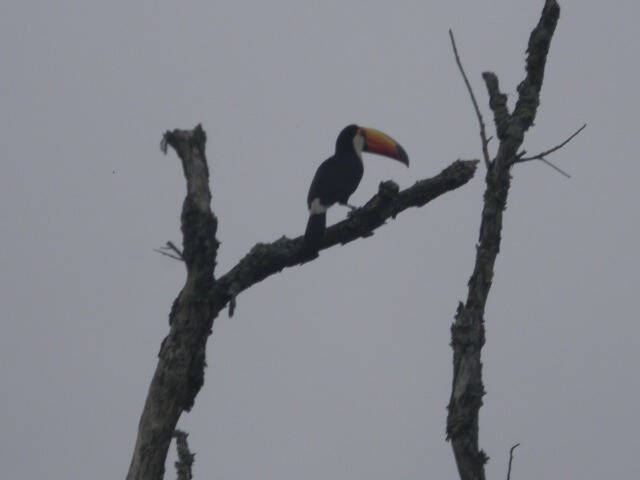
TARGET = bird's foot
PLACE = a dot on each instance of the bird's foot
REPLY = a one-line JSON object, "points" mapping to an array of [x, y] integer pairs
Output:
{"points": [[345, 204]]}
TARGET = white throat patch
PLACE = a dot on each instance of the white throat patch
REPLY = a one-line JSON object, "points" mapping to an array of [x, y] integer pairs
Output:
{"points": [[358, 144]]}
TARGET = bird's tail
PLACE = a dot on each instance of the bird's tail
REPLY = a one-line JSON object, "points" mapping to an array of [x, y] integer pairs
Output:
{"points": [[316, 227]]}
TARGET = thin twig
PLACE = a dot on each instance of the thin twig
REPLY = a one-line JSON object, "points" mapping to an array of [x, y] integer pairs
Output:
{"points": [[511, 460], [168, 254], [540, 156], [483, 134], [557, 169], [170, 246], [551, 150]]}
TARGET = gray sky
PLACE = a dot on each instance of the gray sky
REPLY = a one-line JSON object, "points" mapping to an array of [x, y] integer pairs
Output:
{"points": [[341, 368]]}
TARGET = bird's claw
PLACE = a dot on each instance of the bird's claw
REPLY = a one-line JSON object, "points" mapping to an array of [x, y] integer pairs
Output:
{"points": [[351, 207]]}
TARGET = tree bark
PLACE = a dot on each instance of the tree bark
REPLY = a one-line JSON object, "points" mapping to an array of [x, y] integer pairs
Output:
{"points": [[467, 332], [181, 361]]}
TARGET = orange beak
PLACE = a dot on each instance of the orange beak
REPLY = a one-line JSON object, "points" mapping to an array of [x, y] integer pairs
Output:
{"points": [[377, 142]]}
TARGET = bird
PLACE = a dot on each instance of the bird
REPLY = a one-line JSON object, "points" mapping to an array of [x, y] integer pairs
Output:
{"points": [[339, 175]]}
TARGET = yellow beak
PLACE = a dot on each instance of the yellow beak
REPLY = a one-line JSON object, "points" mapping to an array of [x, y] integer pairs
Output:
{"points": [[377, 142]]}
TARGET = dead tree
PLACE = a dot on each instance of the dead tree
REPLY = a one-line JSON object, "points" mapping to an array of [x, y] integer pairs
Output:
{"points": [[179, 374], [468, 332]]}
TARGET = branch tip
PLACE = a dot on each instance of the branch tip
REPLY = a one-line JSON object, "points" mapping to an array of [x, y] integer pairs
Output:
{"points": [[170, 247], [520, 158], [511, 460], [556, 168], [483, 134], [497, 104], [185, 457], [551, 150]]}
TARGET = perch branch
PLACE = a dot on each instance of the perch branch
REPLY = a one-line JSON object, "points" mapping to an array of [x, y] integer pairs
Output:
{"points": [[266, 259]]}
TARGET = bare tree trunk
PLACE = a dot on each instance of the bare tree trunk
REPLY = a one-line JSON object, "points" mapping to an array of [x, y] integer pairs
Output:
{"points": [[181, 361], [467, 332]]}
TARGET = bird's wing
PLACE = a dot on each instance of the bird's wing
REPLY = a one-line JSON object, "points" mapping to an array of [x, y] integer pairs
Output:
{"points": [[326, 184]]}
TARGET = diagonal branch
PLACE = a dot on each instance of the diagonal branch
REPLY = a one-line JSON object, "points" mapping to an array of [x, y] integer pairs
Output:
{"points": [[467, 331], [167, 254], [266, 259], [483, 133], [537, 49], [520, 158], [541, 155], [557, 169], [497, 104]]}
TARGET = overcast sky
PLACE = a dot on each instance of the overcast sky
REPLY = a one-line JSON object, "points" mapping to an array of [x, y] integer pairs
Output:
{"points": [[340, 368]]}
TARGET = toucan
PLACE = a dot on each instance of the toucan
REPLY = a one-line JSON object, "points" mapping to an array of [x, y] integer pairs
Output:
{"points": [[339, 175]]}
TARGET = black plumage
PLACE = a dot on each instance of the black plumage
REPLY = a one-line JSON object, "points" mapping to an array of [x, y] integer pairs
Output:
{"points": [[338, 176]]}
